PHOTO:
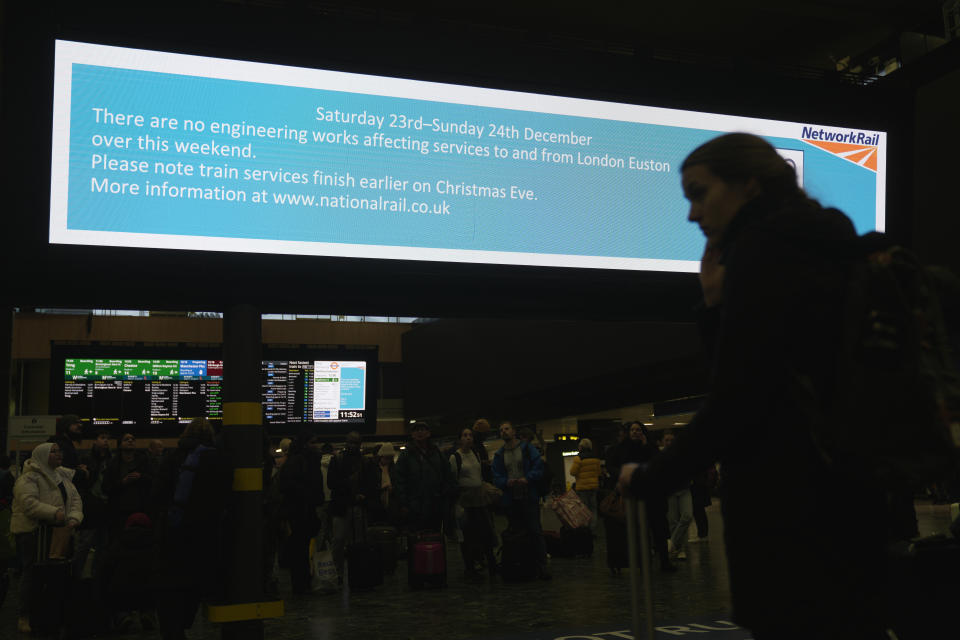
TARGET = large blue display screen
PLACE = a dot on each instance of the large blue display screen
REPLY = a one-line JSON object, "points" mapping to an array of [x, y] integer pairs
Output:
{"points": [[154, 149]]}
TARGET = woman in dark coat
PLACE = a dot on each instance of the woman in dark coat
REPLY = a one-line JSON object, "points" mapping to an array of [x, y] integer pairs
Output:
{"points": [[636, 448], [300, 496], [774, 277]]}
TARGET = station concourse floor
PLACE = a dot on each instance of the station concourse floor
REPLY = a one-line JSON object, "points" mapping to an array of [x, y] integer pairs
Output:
{"points": [[583, 601]]}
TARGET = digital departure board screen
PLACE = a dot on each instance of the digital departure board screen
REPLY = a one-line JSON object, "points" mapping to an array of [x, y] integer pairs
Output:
{"points": [[315, 388], [114, 391], [322, 391]]}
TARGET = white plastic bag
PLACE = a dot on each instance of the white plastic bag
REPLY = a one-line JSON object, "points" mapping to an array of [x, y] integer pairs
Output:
{"points": [[324, 572]]}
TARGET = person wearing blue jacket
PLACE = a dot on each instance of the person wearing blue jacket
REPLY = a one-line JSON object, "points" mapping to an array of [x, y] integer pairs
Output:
{"points": [[517, 470]]}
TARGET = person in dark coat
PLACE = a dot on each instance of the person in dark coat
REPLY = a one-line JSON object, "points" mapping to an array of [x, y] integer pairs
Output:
{"points": [[354, 481], [299, 498], [6, 501], [424, 484], [127, 483], [774, 276], [92, 533], [190, 561], [69, 435], [636, 448]]}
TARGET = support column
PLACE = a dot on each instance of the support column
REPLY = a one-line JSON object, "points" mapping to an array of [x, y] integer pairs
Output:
{"points": [[246, 606], [6, 368]]}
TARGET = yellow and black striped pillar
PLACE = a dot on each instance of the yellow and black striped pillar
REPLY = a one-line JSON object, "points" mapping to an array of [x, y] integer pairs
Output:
{"points": [[246, 605]]}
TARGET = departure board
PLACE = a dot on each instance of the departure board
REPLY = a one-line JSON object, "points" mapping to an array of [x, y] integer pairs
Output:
{"points": [[115, 391], [158, 391], [319, 391]]}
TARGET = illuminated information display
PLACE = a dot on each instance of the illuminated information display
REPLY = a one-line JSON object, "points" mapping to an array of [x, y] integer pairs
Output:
{"points": [[147, 391], [323, 391], [163, 150]]}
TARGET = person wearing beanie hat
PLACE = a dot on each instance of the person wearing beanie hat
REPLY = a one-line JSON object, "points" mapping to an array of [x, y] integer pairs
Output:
{"points": [[42, 495], [141, 520], [127, 574], [586, 472]]}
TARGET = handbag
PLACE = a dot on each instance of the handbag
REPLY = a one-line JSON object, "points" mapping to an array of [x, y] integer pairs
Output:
{"points": [[612, 506], [60, 542], [491, 495], [471, 497]]}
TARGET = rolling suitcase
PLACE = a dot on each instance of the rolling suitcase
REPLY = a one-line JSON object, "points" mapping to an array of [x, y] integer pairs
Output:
{"points": [[569, 543], [386, 538], [518, 560], [637, 521], [427, 562], [364, 563], [577, 542], [49, 584]]}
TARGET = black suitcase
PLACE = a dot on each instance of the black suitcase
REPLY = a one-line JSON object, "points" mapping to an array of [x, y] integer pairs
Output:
{"points": [[518, 556], [577, 543], [364, 563], [86, 614], [364, 568], [49, 587], [385, 537]]}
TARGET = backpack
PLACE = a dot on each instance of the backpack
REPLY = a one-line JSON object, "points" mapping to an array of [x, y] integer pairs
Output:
{"points": [[895, 418], [459, 459], [184, 487], [544, 485]]}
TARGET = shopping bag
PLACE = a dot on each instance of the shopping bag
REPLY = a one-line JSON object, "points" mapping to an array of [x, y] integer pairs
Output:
{"points": [[571, 510], [60, 543], [324, 572]]}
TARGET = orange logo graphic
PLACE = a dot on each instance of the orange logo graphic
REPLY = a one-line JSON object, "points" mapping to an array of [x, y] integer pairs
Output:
{"points": [[862, 154]]}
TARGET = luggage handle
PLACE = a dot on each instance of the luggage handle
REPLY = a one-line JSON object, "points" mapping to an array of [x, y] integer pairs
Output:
{"points": [[44, 536], [359, 524], [637, 519]]}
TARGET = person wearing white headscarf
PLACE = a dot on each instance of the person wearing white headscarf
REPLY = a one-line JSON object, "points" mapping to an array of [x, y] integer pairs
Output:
{"points": [[42, 495]]}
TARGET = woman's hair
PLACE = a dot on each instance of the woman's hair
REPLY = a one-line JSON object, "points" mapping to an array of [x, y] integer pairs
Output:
{"points": [[199, 428], [737, 157]]}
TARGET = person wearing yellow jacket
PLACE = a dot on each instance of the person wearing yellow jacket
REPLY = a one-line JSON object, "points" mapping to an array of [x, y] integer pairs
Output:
{"points": [[586, 470]]}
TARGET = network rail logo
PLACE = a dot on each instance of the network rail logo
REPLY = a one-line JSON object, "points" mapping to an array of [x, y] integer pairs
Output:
{"points": [[858, 147]]}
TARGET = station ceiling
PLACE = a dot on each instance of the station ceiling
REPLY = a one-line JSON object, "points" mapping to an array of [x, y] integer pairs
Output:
{"points": [[795, 35]]}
